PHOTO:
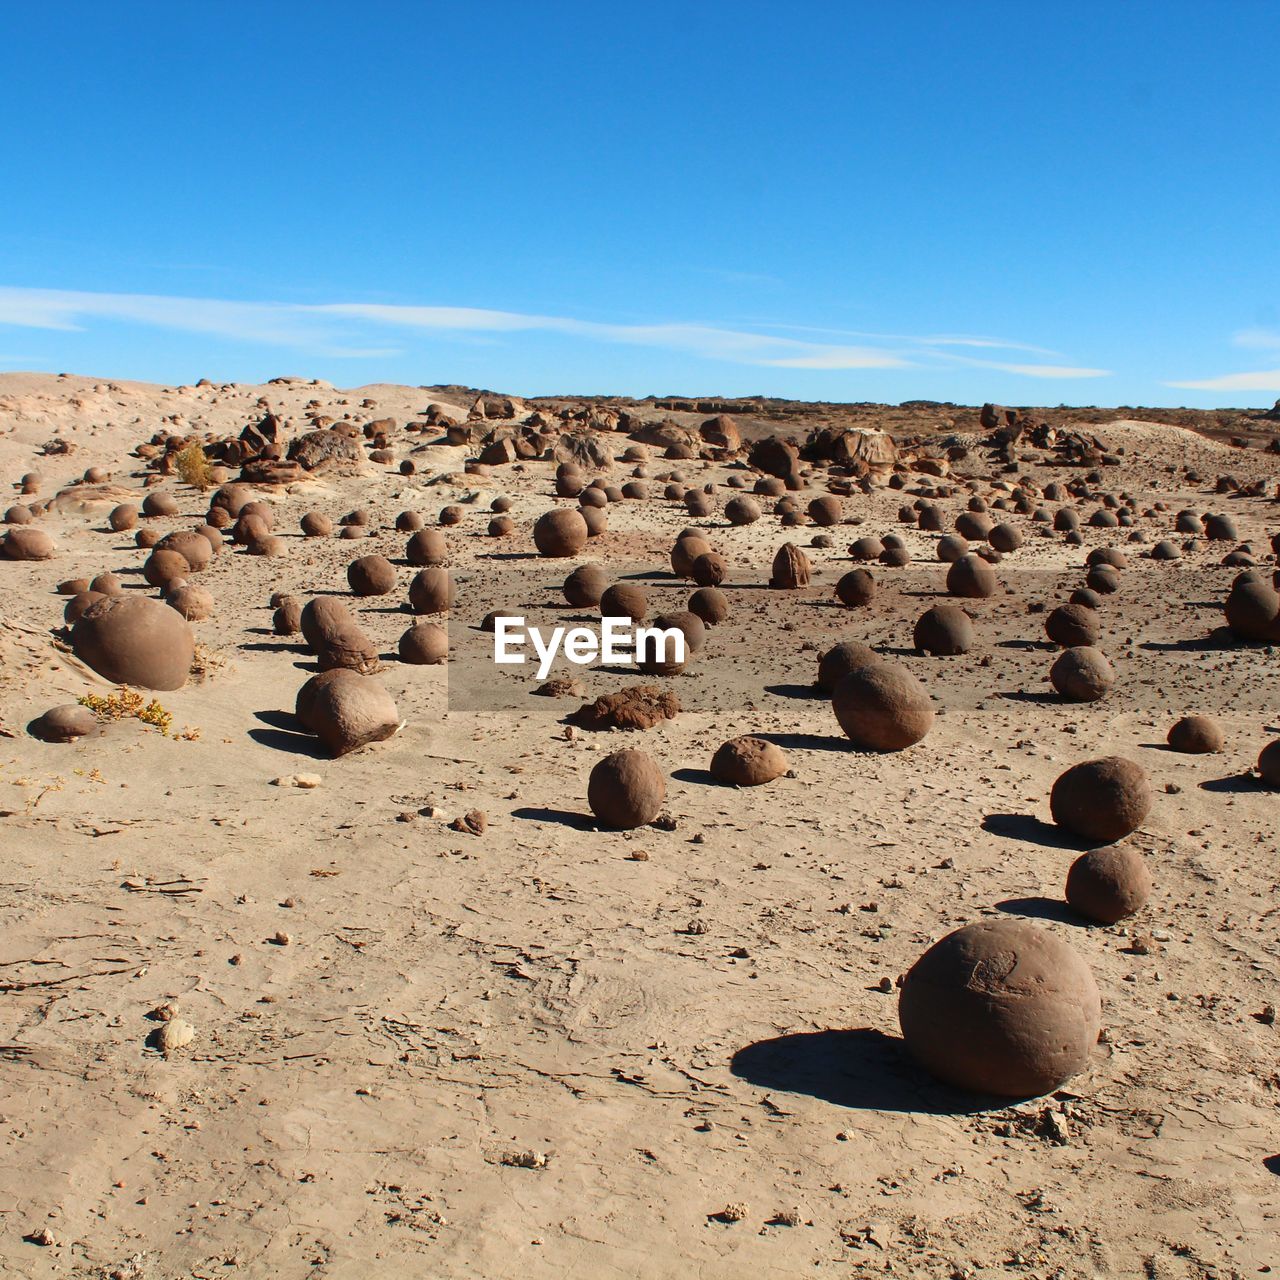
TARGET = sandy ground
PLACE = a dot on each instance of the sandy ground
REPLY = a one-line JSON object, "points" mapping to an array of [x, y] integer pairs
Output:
{"points": [[535, 1053]]}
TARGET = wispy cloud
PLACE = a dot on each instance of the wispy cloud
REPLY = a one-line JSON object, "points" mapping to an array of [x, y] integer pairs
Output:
{"points": [[1264, 339], [1254, 380], [1247, 380], [345, 328]]}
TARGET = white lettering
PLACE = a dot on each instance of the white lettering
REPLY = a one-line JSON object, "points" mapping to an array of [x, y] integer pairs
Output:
{"points": [[546, 652], [507, 632], [616, 642]]}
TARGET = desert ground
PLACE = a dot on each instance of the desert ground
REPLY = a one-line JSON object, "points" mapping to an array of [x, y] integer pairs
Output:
{"points": [[415, 1043]]}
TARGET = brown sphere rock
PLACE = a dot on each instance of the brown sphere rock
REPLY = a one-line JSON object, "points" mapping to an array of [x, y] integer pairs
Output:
{"points": [[840, 659], [882, 707], [351, 712], [971, 577], [626, 790], [1073, 625], [1101, 800], [424, 644], [944, 631], [558, 534], [1082, 674], [1001, 1007], [1109, 884], [22, 542], [585, 585], [371, 576], [1196, 735], [431, 591], [63, 724], [748, 762], [856, 588], [135, 641], [710, 604]]}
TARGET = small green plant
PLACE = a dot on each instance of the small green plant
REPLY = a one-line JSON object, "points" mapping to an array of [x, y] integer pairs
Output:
{"points": [[193, 466], [126, 703]]}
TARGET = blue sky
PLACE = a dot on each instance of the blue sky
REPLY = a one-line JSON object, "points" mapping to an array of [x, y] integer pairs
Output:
{"points": [[849, 201]]}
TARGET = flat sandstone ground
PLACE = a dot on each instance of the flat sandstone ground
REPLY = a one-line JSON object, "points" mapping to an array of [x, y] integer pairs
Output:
{"points": [[536, 1052]]}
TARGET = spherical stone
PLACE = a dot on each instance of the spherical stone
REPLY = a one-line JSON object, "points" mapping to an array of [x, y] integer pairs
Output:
{"points": [[432, 591], [709, 569], [63, 724], [597, 521], [316, 525], [932, 518], [424, 644], [944, 630], [76, 606], [426, 547], [163, 567], [593, 498], [826, 511], [123, 517], [623, 600], [840, 659], [146, 538], [1101, 800], [1253, 610], [371, 576], [349, 713], [748, 762], [22, 542], [1066, 520], [1269, 764], [1085, 598], [974, 525], [1220, 529], [654, 659], [952, 547], [272, 546], [972, 578], [135, 641], [193, 603], [501, 527], [895, 557], [688, 547], [770, 486], [73, 586], [560, 533], [856, 588], [287, 619], [1103, 578], [585, 585], [194, 548], [710, 604], [500, 504], [1005, 538], [882, 707], [1196, 735], [626, 790], [159, 504], [1001, 1007], [1109, 884], [741, 510], [217, 517], [1082, 674], [18, 514], [1071, 625], [1166, 549], [408, 522], [866, 548]]}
